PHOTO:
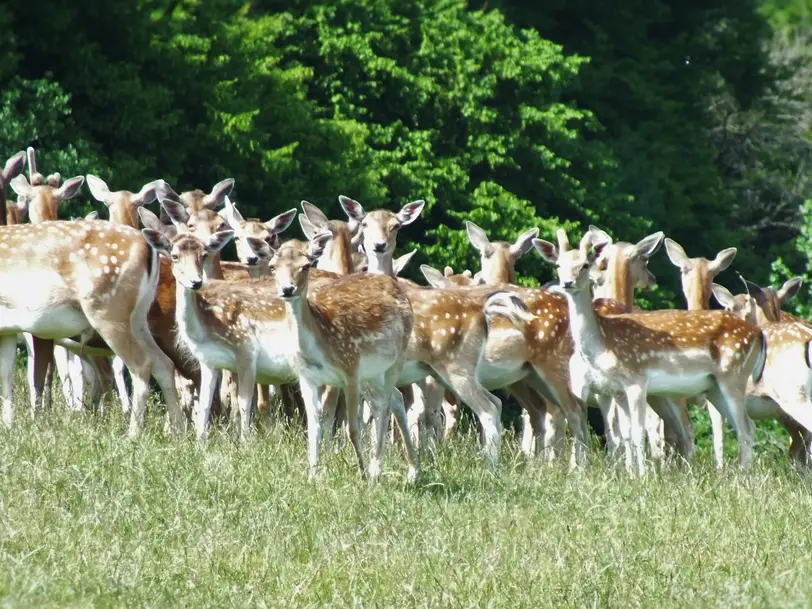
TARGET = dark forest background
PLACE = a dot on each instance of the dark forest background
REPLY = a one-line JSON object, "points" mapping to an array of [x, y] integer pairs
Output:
{"points": [[636, 115]]}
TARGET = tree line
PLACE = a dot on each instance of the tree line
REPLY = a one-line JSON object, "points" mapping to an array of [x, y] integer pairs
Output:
{"points": [[688, 117]]}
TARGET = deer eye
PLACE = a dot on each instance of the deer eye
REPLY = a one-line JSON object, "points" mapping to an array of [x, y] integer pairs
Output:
{"points": [[585, 266], [175, 257], [222, 227], [307, 266], [397, 226]]}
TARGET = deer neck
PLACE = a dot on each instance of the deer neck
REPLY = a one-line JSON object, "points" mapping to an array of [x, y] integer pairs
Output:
{"points": [[618, 283], [584, 326], [306, 328], [255, 272], [187, 313], [380, 265], [500, 271], [212, 268], [338, 257]]}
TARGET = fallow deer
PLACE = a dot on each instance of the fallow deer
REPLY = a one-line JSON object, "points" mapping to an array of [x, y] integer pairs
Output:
{"points": [[42, 197], [673, 353], [89, 276], [784, 391], [696, 277], [621, 268]]}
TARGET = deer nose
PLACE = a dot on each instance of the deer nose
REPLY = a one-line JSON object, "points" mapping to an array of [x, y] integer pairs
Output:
{"points": [[196, 284], [251, 260], [379, 247], [568, 284], [287, 290]]}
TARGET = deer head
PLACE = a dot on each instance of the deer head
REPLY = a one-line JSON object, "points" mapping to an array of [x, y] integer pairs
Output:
{"points": [[498, 258], [446, 279], [255, 229], [769, 300], [622, 267], [43, 195], [123, 204], [197, 200], [742, 306], [573, 264], [338, 255], [291, 266], [379, 229], [188, 253], [697, 274]]}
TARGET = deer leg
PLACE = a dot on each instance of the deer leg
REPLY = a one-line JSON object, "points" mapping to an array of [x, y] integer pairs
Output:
{"points": [[202, 410], [412, 452], [798, 444], [655, 434], [352, 402], [718, 433], [310, 397], [264, 402], [433, 398], [534, 410], [8, 353], [554, 434], [329, 401], [451, 409], [246, 383], [415, 395], [677, 426], [40, 354], [121, 384], [636, 409], [731, 403], [62, 363], [486, 406], [379, 404]]}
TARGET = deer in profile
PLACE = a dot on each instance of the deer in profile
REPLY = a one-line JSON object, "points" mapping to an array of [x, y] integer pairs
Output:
{"points": [[90, 277], [784, 391], [673, 353], [41, 196]]}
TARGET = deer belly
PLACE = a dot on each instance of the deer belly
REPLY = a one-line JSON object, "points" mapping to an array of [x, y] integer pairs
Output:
{"points": [[275, 365], [49, 322], [762, 407], [678, 384], [500, 373], [373, 366]]}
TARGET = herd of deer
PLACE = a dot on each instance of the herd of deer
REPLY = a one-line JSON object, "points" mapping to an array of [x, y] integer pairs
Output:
{"points": [[330, 315]]}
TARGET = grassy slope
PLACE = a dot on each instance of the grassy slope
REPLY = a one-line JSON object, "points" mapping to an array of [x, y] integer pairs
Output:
{"points": [[90, 519]]}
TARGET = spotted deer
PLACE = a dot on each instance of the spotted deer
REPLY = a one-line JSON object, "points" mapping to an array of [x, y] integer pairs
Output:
{"points": [[784, 391], [696, 277], [13, 167], [673, 353], [42, 196], [621, 268], [89, 277]]}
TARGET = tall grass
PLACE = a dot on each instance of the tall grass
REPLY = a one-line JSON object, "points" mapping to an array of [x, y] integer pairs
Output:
{"points": [[90, 519]]}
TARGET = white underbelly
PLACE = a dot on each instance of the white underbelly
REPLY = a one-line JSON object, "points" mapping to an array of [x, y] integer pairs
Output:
{"points": [[47, 322], [762, 407], [413, 372], [496, 375], [683, 384]]}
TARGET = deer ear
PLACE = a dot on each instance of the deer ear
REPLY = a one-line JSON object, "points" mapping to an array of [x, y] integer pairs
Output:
{"points": [[147, 194], [757, 293], [280, 223], [315, 215], [98, 188], [789, 289], [676, 254], [723, 260], [149, 219], [22, 205], [231, 214], [157, 240], [308, 228], [478, 238], [434, 277], [14, 166], [174, 209], [69, 189], [410, 212], [94, 215], [218, 193], [448, 271], [316, 245], [467, 273], [599, 235], [648, 246], [547, 250], [523, 244], [723, 296], [219, 240], [400, 263], [352, 208], [260, 248], [21, 186]]}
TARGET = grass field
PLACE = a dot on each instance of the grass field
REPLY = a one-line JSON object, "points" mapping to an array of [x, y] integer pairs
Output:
{"points": [[91, 519]]}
